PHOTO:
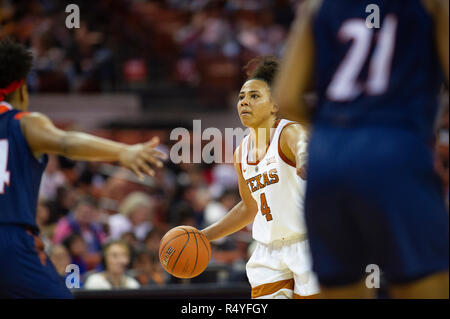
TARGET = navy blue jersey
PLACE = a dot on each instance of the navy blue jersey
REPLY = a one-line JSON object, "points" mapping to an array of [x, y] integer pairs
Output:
{"points": [[20, 172], [388, 75], [22, 252], [370, 165]]}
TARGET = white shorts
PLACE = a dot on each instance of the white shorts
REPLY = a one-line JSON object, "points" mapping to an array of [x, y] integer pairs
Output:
{"points": [[282, 270]]}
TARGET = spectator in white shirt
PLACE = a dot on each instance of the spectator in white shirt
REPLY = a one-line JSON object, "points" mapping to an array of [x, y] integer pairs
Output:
{"points": [[117, 260], [135, 215]]}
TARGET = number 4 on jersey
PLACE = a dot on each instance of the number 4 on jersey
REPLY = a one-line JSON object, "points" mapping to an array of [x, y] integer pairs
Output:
{"points": [[4, 174], [265, 209]]}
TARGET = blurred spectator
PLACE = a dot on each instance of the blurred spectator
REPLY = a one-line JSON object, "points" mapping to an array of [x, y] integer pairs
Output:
{"points": [[60, 257], [146, 268], [51, 179], [42, 215], [216, 210], [77, 249], [81, 221], [201, 199], [42, 221], [90, 181], [66, 197], [135, 215], [130, 239], [129, 46], [116, 261], [153, 239], [189, 209], [242, 241], [224, 177], [181, 210]]}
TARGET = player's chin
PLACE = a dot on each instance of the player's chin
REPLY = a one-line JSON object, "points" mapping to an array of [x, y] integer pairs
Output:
{"points": [[246, 120]]}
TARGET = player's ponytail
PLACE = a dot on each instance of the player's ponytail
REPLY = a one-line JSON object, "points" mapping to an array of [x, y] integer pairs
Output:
{"points": [[262, 68]]}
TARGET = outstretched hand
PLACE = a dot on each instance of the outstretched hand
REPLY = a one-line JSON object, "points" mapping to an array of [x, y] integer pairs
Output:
{"points": [[141, 157]]}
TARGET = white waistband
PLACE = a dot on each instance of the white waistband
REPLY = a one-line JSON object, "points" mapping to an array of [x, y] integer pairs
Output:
{"points": [[283, 242]]}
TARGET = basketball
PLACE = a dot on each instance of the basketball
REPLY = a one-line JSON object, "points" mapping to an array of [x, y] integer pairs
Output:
{"points": [[184, 252]]}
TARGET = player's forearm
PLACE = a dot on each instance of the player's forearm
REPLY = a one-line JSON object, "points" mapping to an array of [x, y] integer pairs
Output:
{"points": [[43, 137], [294, 78], [82, 146], [285, 90], [236, 219]]}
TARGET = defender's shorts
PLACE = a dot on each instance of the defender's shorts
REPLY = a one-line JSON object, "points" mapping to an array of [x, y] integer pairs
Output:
{"points": [[25, 270], [373, 198]]}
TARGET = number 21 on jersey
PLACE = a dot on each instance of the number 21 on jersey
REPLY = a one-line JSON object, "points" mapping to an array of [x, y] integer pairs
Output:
{"points": [[344, 85], [4, 174]]}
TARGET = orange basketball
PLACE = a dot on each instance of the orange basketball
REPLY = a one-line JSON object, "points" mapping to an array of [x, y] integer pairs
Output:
{"points": [[184, 252]]}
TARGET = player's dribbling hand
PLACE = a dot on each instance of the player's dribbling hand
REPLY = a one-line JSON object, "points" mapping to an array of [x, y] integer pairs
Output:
{"points": [[140, 158]]}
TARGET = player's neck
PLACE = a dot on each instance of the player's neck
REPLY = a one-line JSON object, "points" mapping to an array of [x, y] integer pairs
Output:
{"points": [[16, 104], [18, 99], [262, 134]]}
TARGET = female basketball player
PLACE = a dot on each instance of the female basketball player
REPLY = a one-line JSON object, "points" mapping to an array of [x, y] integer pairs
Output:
{"points": [[25, 139], [267, 162]]}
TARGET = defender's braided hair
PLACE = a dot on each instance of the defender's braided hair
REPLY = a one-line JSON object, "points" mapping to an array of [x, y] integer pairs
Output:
{"points": [[15, 62]]}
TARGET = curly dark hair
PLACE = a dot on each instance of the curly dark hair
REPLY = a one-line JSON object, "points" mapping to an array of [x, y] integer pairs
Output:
{"points": [[262, 68], [15, 62]]}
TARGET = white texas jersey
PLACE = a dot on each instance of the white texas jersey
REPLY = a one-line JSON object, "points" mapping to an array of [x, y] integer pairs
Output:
{"points": [[276, 188]]}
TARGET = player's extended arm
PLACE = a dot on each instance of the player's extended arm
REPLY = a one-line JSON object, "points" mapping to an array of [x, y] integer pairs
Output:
{"points": [[293, 144], [239, 216], [295, 76], [43, 137]]}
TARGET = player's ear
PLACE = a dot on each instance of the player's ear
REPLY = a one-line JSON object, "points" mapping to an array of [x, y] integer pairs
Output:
{"points": [[22, 92], [275, 108]]}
